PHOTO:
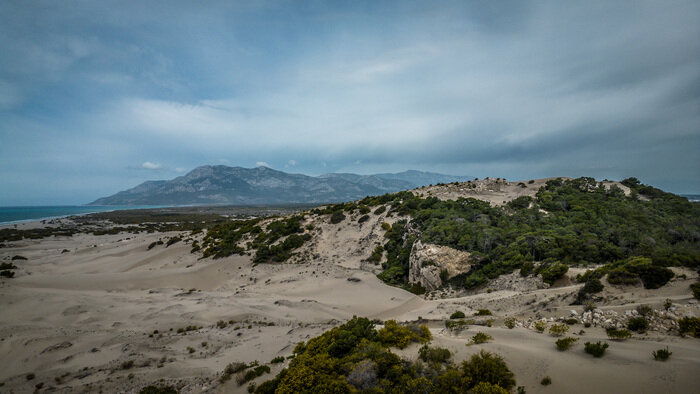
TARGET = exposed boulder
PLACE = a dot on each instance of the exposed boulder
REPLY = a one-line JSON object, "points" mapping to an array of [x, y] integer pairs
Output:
{"points": [[427, 261]]}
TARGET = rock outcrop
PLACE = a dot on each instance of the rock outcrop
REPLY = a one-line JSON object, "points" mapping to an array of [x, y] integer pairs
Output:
{"points": [[427, 261]]}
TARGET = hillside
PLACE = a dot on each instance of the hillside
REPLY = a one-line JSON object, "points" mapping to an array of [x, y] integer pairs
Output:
{"points": [[193, 299], [262, 185]]}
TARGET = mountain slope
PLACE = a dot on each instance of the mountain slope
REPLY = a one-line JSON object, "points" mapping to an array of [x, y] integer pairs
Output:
{"points": [[262, 185]]}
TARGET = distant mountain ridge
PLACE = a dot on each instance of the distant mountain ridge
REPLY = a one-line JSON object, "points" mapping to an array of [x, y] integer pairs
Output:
{"points": [[262, 185]]}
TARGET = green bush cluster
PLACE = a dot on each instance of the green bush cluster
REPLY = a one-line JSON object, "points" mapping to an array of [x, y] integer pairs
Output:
{"points": [[458, 324], [157, 389], [565, 343], [483, 312], [352, 358], [401, 336], [695, 288], [337, 217], [618, 334], [585, 222], [457, 315], [558, 330], [689, 325], [661, 354], [637, 323], [509, 322], [595, 349], [480, 337], [434, 354]]}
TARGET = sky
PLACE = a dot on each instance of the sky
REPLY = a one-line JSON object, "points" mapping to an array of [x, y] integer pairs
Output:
{"points": [[99, 96]]}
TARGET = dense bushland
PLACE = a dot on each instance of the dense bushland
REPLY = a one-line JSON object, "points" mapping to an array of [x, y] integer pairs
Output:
{"points": [[569, 222], [356, 357]]}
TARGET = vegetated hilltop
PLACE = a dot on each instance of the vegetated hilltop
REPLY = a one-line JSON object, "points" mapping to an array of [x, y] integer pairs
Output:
{"points": [[540, 228], [262, 185]]}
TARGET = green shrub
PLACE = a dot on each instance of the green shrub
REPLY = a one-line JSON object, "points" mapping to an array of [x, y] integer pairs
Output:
{"points": [[668, 304], [645, 310], [695, 288], [540, 325], [565, 343], [277, 360], [546, 381], [380, 210], [401, 336], [337, 217], [620, 334], [638, 323], [457, 324], [661, 354], [596, 349], [488, 388], [7, 266], [527, 268], [231, 369], [483, 312], [689, 325], [592, 286], [558, 330], [479, 338], [571, 321], [457, 315], [434, 354], [489, 368], [509, 322], [7, 274], [363, 219], [154, 389], [553, 271]]}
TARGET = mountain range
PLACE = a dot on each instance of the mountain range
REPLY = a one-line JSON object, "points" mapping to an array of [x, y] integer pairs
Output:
{"points": [[209, 185]]}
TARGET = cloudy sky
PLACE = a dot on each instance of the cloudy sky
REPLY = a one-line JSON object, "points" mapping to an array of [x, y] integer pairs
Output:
{"points": [[98, 96]]}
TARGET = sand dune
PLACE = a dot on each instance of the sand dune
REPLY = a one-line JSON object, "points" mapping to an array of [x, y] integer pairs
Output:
{"points": [[80, 317]]}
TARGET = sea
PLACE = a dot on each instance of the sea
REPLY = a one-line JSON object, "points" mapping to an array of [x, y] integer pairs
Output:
{"points": [[28, 213]]}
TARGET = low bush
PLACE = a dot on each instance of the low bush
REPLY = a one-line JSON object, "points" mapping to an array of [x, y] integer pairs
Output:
{"points": [[153, 389], [645, 310], [18, 257], [231, 369], [546, 381], [277, 360], [7, 266], [661, 354], [483, 312], [380, 210], [689, 325], [509, 322], [363, 219], [638, 323], [489, 368], [540, 325], [571, 321], [457, 325], [621, 334], [595, 349], [565, 343], [457, 315], [7, 274], [479, 338], [552, 272], [401, 336], [558, 330], [695, 288], [434, 354], [337, 217]]}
